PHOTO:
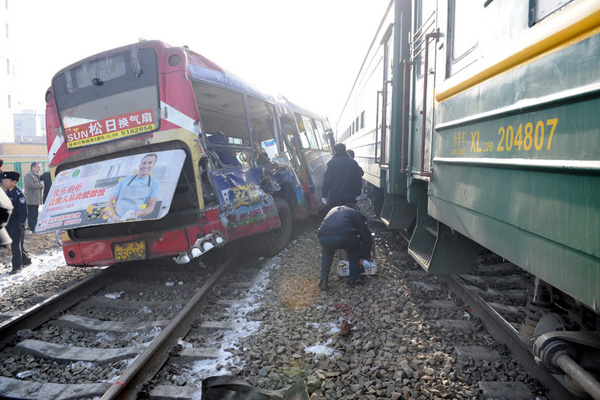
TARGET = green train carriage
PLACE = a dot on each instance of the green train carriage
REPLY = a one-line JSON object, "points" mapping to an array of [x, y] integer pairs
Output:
{"points": [[487, 135]]}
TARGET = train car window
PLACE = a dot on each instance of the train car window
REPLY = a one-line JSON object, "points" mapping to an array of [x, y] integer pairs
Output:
{"points": [[466, 28], [469, 41], [362, 120], [540, 9]]}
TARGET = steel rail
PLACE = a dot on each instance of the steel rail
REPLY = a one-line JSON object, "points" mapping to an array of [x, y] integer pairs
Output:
{"points": [[148, 363], [503, 332], [40, 313]]}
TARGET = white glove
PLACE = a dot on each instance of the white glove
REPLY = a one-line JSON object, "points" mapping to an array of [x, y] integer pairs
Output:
{"points": [[324, 200], [357, 198]]}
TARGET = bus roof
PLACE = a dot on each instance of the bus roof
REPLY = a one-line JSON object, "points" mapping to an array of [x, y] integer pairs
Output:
{"points": [[202, 69]]}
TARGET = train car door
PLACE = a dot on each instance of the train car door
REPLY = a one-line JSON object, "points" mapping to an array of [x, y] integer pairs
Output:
{"points": [[423, 59]]}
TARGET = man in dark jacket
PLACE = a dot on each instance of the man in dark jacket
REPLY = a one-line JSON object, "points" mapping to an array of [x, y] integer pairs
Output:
{"points": [[16, 222], [343, 178], [45, 177], [344, 227], [34, 190]]}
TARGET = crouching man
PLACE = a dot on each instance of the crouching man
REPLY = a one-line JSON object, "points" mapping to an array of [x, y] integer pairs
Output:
{"points": [[16, 222], [344, 227]]}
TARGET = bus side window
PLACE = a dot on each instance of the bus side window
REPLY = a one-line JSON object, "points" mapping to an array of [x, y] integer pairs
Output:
{"points": [[262, 120], [225, 156], [290, 141], [320, 132], [307, 135]]}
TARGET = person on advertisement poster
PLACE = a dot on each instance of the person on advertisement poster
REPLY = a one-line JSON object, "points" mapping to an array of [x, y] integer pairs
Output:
{"points": [[135, 196], [16, 223], [34, 189]]}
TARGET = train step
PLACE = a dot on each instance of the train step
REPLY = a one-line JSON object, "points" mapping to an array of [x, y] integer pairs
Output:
{"points": [[441, 250]]}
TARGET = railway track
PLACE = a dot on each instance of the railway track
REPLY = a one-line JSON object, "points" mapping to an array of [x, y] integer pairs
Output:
{"points": [[413, 334], [495, 292], [108, 335]]}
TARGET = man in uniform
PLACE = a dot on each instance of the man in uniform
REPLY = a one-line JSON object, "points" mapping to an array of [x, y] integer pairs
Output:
{"points": [[34, 189], [16, 222]]}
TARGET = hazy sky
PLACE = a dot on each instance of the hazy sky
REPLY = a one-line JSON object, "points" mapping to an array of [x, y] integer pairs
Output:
{"points": [[307, 50]]}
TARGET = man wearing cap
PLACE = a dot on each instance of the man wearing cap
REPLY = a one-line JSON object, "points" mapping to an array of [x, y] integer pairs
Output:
{"points": [[16, 222], [343, 178], [34, 189]]}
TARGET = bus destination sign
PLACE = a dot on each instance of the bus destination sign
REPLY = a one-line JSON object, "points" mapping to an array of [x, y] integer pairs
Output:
{"points": [[109, 129]]}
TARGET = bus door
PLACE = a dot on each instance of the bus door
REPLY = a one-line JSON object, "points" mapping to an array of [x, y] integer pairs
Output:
{"points": [[316, 154], [292, 139], [234, 126]]}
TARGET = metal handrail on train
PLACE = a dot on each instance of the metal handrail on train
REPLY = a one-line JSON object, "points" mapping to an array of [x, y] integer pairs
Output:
{"points": [[405, 100], [432, 35], [417, 42]]}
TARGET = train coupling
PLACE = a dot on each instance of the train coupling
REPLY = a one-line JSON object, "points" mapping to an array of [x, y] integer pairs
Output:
{"points": [[201, 246], [567, 353]]}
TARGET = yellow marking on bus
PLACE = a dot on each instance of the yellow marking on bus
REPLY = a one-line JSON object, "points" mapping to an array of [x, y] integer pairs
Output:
{"points": [[576, 23]]}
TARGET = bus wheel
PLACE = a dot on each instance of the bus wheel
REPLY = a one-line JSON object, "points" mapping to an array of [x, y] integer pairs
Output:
{"points": [[274, 241], [270, 243]]}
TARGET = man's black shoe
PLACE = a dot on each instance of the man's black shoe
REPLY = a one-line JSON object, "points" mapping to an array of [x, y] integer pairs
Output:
{"points": [[26, 263], [14, 270], [323, 285]]}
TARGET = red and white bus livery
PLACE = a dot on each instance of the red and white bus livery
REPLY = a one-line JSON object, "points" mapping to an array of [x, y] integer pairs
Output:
{"points": [[157, 151]]}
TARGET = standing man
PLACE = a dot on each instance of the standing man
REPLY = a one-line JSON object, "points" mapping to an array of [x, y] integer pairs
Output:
{"points": [[34, 189], [135, 196], [343, 178], [345, 228], [16, 222]]}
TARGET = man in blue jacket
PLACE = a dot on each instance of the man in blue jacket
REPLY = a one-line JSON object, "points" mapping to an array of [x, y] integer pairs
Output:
{"points": [[342, 181], [344, 227], [16, 222]]}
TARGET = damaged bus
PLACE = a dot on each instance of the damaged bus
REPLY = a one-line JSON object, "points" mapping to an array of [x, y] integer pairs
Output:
{"points": [[157, 151]]}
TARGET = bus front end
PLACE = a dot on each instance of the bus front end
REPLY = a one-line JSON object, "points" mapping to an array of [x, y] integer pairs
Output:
{"points": [[123, 144]]}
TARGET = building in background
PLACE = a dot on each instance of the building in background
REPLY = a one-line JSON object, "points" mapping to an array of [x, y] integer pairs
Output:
{"points": [[7, 74], [16, 125], [29, 127]]}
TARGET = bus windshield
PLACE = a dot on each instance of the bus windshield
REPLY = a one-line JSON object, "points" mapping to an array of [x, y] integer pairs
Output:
{"points": [[109, 97]]}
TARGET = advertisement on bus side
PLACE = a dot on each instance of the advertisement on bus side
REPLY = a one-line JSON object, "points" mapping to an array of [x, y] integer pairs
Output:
{"points": [[119, 190]]}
